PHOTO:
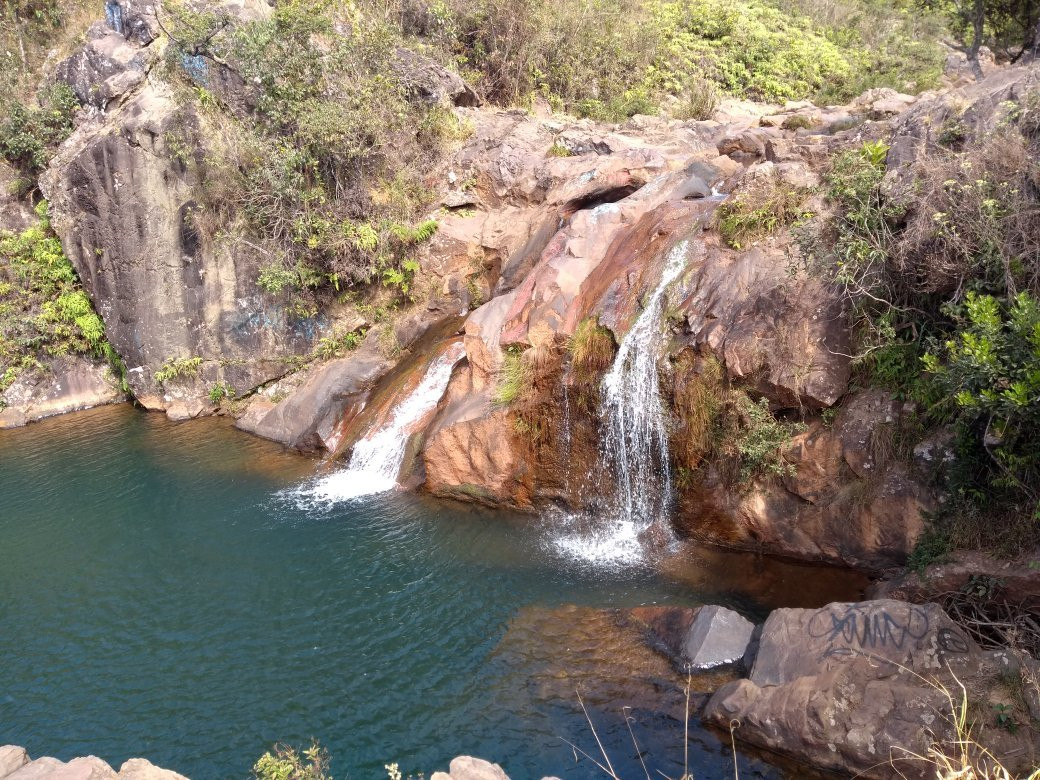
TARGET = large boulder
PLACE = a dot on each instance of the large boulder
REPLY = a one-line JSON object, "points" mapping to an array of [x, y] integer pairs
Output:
{"points": [[697, 639], [64, 384], [783, 334], [16, 765], [106, 68], [167, 289], [427, 80], [867, 687], [12, 757], [470, 768], [312, 418]]}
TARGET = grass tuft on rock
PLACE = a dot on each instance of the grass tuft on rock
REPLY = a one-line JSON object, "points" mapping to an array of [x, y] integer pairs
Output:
{"points": [[764, 205], [592, 348]]}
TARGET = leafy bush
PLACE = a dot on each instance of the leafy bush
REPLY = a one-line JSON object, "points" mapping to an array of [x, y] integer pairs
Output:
{"points": [[43, 310], [943, 290], [990, 370], [28, 135], [284, 762], [759, 437]]}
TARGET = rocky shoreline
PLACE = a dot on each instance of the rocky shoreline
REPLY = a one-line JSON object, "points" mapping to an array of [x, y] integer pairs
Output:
{"points": [[15, 764]]}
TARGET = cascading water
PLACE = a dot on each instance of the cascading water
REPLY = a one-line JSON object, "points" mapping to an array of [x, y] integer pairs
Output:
{"points": [[633, 437], [376, 459]]}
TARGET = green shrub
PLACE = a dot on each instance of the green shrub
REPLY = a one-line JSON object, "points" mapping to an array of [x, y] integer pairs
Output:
{"points": [[335, 345], [759, 437], [43, 310], [221, 391], [991, 370], [284, 762], [765, 205], [797, 122], [943, 291], [28, 135]]}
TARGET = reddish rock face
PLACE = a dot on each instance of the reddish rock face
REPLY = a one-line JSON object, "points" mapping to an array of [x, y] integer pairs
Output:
{"points": [[784, 335], [615, 214], [847, 500]]}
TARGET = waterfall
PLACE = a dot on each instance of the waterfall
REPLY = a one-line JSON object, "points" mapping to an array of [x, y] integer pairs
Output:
{"points": [[634, 437], [376, 459]]}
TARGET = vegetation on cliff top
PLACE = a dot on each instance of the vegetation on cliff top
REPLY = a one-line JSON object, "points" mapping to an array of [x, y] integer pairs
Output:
{"points": [[610, 60], [945, 292]]}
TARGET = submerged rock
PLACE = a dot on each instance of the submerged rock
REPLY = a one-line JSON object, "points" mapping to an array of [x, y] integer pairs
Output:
{"points": [[697, 639]]}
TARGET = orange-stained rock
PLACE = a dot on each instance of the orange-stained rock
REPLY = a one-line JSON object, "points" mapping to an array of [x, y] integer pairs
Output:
{"points": [[849, 500], [474, 459]]}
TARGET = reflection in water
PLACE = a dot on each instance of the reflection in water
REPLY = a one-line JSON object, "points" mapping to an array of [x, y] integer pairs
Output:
{"points": [[158, 599]]}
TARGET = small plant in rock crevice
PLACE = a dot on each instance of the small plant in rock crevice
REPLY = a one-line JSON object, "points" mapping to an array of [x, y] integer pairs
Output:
{"points": [[515, 378], [720, 426], [592, 349], [177, 368], [221, 391]]}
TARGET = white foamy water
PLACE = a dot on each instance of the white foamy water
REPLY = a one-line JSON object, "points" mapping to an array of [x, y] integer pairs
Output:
{"points": [[376, 459], [633, 438]]}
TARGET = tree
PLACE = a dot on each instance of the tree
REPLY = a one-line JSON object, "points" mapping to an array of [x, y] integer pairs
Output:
{"points": [[1011, 28]]}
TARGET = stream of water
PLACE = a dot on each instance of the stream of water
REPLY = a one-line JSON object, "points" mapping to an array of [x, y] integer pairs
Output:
{"points": [[163, 594], [633, 438], [375, 461]]}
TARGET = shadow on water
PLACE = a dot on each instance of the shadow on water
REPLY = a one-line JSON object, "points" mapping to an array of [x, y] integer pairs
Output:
{"points": [[161, 596]]}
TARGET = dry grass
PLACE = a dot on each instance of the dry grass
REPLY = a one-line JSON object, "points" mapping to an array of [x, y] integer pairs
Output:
{"points": [[963, 757], [765, 205], [23, 51], [699, 102], [698, 399], [592, 349], [976, 217]]}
